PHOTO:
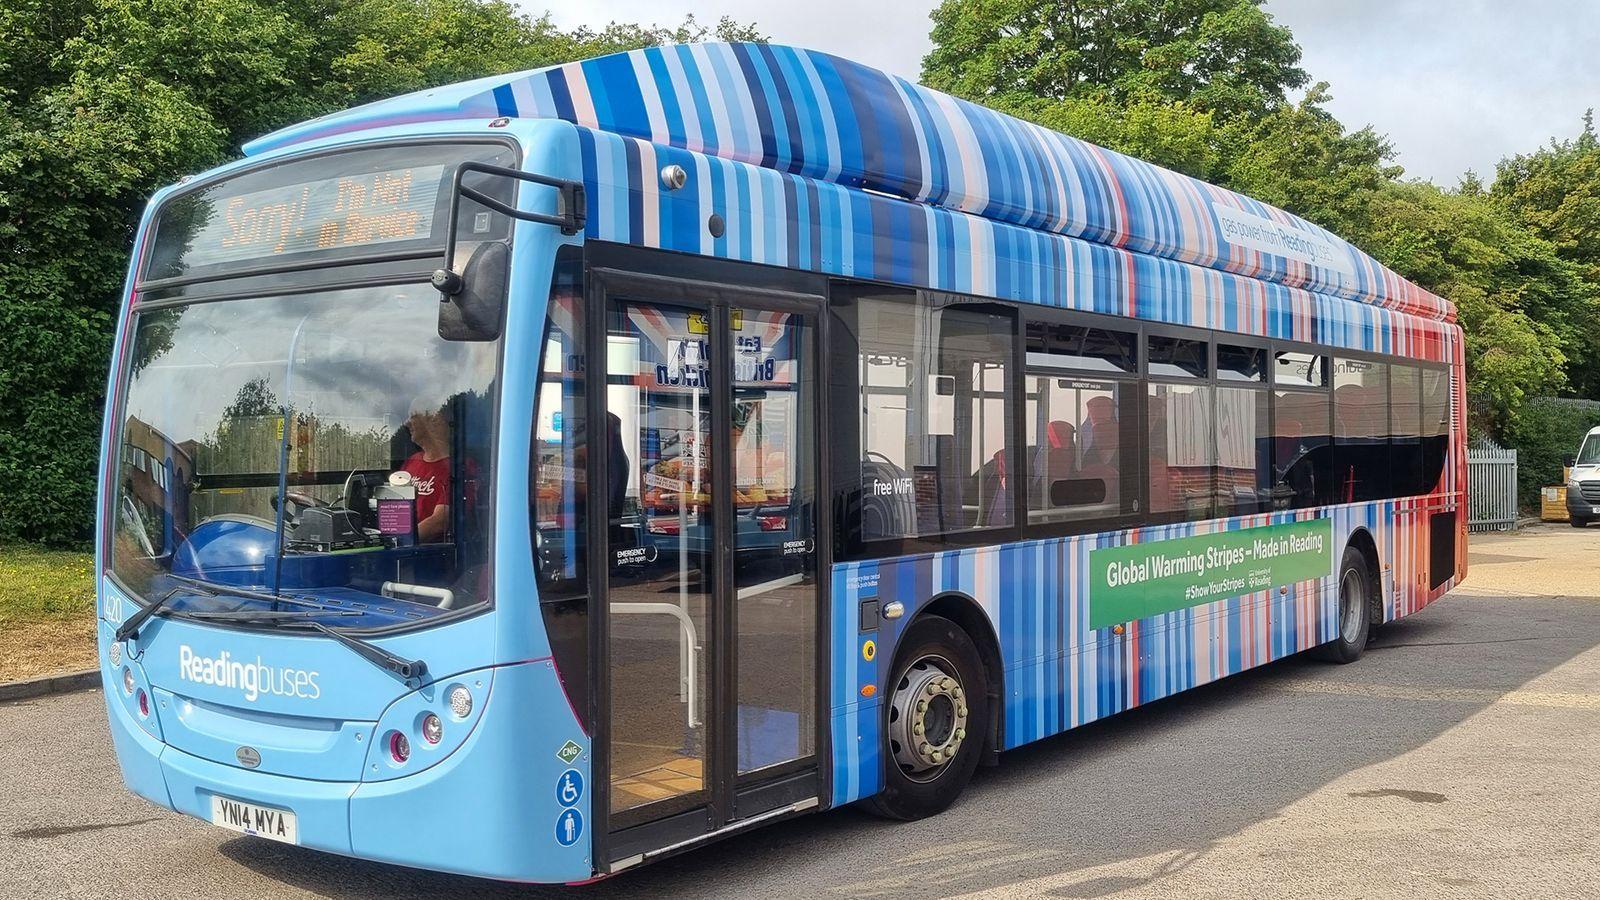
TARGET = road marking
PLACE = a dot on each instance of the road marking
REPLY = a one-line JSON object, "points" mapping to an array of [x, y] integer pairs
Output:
{"points": [[1548, 699]]}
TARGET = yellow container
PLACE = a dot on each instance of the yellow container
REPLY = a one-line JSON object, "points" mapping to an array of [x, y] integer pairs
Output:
{"points": [[1553, 503]]}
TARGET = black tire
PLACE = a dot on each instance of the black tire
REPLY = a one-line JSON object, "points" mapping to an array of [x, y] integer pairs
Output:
{"points": [[1355, 610], [934, 649], [1579, 522]]}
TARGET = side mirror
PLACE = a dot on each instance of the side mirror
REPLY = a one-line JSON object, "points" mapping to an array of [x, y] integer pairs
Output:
{"points": [[472, 305], [472, 302], [1571, 459]]}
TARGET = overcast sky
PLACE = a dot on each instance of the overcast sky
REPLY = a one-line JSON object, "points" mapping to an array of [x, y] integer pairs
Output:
{"points": [[1455, 84]]}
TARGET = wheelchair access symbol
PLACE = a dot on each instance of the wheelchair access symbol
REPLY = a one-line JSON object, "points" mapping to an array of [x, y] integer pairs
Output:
{"points": [[569, 827], [569, 787]]}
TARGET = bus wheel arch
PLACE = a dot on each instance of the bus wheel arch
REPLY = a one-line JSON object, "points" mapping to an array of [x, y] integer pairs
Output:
{"points": [[1362, 540], [1357, 604], [936, 696]]}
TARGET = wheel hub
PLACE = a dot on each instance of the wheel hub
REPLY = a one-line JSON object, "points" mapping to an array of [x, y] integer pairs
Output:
{"points": [[1352, 595], [927, 717]]}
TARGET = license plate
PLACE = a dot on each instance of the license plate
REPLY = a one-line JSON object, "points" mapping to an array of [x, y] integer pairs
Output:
{"points": [[261, 821]]}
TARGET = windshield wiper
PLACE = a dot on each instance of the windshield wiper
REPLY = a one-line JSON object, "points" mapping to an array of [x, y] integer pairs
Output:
{"points": [[407, 669], [215, 588], [265, 615], [130, 626]]}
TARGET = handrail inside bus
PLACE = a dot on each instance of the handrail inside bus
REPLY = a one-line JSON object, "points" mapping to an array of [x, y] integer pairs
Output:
{"points": [[687, 657]]}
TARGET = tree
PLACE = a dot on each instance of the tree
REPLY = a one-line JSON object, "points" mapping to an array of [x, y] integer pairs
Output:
{"points": [[1507, 285], [1554, 193], [1219, 55]]}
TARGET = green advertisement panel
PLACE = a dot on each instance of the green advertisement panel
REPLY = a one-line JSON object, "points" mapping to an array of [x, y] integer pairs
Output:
{"points": [[1141, 580]]}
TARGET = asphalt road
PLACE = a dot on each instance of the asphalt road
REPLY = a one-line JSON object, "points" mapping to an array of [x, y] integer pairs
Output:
{"points": [[1458, 759]]}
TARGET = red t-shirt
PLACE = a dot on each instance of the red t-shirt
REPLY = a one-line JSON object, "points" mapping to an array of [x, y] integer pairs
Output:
{"points": [[432, 481]]}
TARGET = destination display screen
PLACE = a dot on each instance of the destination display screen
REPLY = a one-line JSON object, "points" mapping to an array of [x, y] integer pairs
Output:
{"points": [[346, 211], [355, 203]]}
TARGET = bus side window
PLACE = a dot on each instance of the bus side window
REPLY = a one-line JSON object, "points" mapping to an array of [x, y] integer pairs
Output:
{"points": [[928, 403], [560, 501], [1074, 448]]}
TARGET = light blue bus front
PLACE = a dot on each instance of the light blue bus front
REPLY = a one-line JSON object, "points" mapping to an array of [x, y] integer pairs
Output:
{"points": [[316, 496]]}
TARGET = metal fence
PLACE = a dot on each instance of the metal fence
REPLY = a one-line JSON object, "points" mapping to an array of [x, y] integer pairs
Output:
{"points": [[1492, 481]]}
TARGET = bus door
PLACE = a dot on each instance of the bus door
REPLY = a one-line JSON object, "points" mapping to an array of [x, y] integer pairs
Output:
{"points": [[709, 655]]}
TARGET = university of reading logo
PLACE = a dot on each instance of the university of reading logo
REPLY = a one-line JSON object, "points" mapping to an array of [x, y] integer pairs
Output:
{"points": [[253, 678]]}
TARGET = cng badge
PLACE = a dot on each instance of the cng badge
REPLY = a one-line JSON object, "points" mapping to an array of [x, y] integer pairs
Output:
{"points": [[569, 787], [569, 827], [569, 752]]}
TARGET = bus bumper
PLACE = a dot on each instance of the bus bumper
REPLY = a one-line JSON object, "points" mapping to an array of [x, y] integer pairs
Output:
{"points": [[491, 809]]}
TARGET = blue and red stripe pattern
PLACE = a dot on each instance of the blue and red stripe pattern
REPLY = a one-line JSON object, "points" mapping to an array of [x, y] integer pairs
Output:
{"points": [[1058, 672], [820, 164], [804, 113]]}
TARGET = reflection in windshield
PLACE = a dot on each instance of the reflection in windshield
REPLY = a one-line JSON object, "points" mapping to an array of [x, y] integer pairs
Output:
{"points": [[329, 444]]}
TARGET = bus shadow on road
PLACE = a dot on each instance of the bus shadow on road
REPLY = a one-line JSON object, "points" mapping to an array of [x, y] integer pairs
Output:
{"points": [[1172, 778]]}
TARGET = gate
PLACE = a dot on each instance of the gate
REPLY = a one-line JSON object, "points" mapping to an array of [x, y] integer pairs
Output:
{"points": [[1492, 484]]}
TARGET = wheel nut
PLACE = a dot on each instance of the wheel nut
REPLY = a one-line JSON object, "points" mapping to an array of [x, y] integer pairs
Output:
{"points": [[956, 692], [922, 706], [923, 749], [945, 683], [961, 734], [961, 710], [917, 729], [933, 688]]}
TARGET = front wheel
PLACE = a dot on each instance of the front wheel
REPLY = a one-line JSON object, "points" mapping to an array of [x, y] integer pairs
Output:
{"points": [[1355, 610], [937, 715], [1579, 522]]}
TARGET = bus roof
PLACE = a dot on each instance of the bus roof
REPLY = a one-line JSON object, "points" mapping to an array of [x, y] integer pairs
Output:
{"points": [[823, 117]]}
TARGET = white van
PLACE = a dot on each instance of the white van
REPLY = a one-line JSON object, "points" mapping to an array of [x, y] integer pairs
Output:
{"points": [[1583, 485]]}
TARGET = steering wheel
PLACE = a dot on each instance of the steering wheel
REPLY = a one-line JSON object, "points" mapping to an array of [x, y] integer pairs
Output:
{"points": [[298, 503]]}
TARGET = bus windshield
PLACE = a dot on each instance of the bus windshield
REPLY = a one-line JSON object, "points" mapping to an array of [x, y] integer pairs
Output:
{"points": [[328, 446]]}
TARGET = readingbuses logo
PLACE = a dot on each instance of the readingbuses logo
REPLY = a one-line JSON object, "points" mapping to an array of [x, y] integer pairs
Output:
{"points": [[253, 678]]}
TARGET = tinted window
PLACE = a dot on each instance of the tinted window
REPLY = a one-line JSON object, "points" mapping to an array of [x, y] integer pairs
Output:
{"points": [[1236, 363], [1362, 466], [1078, 347], [930, 400], [1182, 448], [1074, 431], [1296, 369], [1405, 430], [1177, 357], [1435, 425], [1302, 464], [1244, 467]]}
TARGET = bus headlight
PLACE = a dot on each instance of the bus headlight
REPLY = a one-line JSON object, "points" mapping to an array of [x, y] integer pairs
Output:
{"points": [[432, 729], [460, 701], [127, 680]]}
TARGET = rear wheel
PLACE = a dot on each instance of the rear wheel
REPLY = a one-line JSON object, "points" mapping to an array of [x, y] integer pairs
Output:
{"points": [[937, 715], [1355, 610]]}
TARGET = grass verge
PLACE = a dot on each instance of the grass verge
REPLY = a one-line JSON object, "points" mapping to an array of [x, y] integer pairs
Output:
{"points": [[46, 611]]}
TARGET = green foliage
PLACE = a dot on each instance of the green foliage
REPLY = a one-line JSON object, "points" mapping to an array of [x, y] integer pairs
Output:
{"points": [[104, 101], [1545, 434], [1221, 55]]}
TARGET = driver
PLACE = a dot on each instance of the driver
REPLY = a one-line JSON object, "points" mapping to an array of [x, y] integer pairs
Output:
{"points": [[430, 467]]}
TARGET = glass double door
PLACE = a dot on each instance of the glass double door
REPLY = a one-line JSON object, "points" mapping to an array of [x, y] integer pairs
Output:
{"points": [[712, 563]]}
